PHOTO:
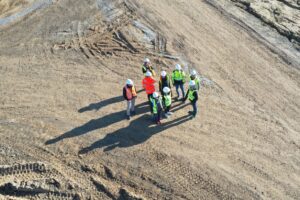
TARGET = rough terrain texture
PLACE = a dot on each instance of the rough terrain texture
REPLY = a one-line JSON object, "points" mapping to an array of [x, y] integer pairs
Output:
{"points": [[62, 125], [283, 15]]}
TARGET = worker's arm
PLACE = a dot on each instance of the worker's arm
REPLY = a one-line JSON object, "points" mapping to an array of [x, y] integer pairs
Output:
{"points": [[186, 95], [124, 94]]}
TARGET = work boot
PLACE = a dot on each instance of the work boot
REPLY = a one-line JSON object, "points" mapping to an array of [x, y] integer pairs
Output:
{"points": [[128, 117], [191, 112]]}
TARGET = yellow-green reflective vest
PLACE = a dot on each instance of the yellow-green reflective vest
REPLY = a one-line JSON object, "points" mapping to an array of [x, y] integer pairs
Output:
{"points": [[197, 81], [178, 75], [191, 95], [168, 100]]}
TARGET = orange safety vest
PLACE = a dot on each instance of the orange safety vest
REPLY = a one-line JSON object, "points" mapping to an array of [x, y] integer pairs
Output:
{"points": [[130, 92], [148, 85]]}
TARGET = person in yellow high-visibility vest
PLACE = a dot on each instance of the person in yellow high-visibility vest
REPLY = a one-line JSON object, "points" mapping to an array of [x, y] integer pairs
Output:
{"points": [[167, 101], [157, 107], [194, 77], [192, 95], [147, 66], [178, 80]]}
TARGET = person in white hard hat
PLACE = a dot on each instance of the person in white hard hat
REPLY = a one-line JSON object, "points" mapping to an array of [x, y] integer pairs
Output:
{"points": [[129, 94], [194, 77], [192, 95], [164, 81], [147, 67], [178, 79], [157, 107], [167, 101]]}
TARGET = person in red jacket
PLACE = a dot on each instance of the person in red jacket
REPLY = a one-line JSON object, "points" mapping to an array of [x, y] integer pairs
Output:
{"points": [[129, 93], [148, 84]]}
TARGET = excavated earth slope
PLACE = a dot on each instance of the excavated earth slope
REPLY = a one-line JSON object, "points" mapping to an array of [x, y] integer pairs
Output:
{"points": [[62, 125]]}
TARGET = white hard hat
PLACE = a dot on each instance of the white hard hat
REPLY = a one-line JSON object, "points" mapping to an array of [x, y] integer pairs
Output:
{"points": [[166, 90], [194, 73], [146, 60], [129, 82], [163, 73], [178, 67], [148, 73], [155, 95], [192, 83]]}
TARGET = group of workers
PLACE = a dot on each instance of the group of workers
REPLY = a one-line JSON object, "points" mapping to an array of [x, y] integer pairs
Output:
{"points": [[161, 103]]}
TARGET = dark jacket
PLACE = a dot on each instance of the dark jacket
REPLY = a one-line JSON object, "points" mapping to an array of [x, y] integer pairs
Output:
{"points": [[166, 82]]}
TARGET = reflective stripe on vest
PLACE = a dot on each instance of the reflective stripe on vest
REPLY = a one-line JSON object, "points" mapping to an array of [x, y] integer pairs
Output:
{"points": [[168, 100], [191, 95]]}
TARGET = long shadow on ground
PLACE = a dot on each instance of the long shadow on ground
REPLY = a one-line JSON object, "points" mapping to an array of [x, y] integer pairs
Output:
{"points": [[98, 123], [106, 102], [139, 130]]}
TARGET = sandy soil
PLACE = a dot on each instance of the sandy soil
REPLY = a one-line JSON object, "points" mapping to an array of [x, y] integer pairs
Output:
{"points": [[8, 7], [62, 124]]}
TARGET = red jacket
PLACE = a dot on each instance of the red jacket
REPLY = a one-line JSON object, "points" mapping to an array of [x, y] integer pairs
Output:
{"points": [[148, 85]]}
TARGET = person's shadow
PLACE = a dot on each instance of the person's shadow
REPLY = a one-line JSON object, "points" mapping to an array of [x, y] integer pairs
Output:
{"points": [[136, 133], [99, 105], [98, 123]]}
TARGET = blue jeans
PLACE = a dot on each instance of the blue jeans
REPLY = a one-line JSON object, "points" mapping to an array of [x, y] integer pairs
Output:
{"points": [[195, 110], [157, 116], [179, 85]]}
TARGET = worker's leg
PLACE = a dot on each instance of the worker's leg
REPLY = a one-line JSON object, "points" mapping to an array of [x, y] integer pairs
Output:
{"points": [[195, 110], [182, 90], [129, 104], [177, 89], [132, 109]]}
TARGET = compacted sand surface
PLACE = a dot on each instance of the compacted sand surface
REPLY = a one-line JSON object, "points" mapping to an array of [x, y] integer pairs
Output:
{"points": [[62, 122]]}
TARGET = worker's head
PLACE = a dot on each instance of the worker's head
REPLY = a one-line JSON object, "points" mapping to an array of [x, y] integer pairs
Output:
{"points": [[192, 85], [193, 74], [148, 74], [163, 74], [147, 62], [166, 90], [129, 83], [178, 67], [155, 95]]}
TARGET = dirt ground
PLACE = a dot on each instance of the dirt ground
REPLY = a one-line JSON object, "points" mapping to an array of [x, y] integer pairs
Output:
{"points": [[62, 121]]}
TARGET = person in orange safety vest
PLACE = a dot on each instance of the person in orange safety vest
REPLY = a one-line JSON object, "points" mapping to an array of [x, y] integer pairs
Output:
{"points": [[129, 93]]}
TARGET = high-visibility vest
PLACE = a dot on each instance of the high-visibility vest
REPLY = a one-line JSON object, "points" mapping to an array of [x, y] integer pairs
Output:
{"points": [[197, 81], [148, 85], [150, 69], [191, 94], [130, 92], [167, 81], [168, 100], [178, 75], [155, 102]]}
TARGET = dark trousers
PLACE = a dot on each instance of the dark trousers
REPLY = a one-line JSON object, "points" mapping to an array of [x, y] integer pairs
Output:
{"points": [[167, 109], [195, 109], [177, 86], [157, 116]]}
